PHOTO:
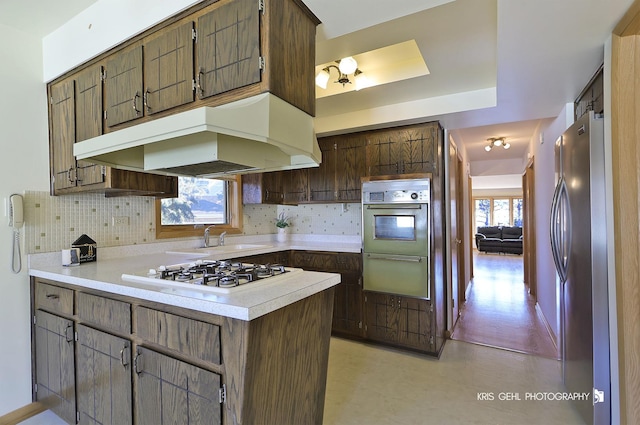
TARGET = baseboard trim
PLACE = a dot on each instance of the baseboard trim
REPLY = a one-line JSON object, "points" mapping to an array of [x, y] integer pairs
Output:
{"points": [[23, 413], [548, 327]]}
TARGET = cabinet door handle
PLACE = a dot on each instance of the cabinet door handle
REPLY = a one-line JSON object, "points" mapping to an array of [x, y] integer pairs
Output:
{"points": [[69, 174], [199, 83], [68, 333], [135, 102], [137, 364], [145, 99], [123, 353], [53, 296]]}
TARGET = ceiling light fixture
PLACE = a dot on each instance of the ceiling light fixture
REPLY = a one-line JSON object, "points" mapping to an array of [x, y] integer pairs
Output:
{"points": [[496, 142], [345, 67]]}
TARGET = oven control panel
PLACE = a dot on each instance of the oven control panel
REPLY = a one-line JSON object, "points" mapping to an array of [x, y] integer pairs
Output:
{"points": [[396, 192]]}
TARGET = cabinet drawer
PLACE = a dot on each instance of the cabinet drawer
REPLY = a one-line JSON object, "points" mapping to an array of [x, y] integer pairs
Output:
{"points": [[190, 337], [104, 312], [54, 298]]}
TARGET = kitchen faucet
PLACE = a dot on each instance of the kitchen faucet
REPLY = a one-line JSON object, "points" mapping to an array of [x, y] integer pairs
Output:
{"points": [[206, 238]]}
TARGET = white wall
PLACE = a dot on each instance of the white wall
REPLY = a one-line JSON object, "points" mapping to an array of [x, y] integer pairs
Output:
{"points": [[497, 167], [101, 26], [24, 165], [544, 163]]}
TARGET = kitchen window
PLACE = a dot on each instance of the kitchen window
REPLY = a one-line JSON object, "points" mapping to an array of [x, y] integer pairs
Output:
{"points": [[200, 203], [498, 211]]}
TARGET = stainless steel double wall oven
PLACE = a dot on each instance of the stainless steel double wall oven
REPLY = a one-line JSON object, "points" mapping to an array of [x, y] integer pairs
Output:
{"points": [[395, 236]]}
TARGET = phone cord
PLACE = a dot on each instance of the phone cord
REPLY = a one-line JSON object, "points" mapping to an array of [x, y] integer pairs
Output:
{"points": [[16, 261]]}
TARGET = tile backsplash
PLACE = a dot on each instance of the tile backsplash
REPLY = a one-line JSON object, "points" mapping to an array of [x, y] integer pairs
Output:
{"points": [[54, 222]]}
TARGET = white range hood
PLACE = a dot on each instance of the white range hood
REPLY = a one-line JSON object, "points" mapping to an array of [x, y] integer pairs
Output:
{"points": [[257, 134]]}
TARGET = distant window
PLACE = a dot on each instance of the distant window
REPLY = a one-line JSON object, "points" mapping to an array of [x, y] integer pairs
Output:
{"points": [[200, 203], [502, 211], [517, 206]]}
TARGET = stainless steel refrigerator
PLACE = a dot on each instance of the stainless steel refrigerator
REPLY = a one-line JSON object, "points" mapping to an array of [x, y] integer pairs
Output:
{"points": [[578, 244]]}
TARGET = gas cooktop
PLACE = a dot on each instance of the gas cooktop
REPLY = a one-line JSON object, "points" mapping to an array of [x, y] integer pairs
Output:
{"points": [[221, 276]]}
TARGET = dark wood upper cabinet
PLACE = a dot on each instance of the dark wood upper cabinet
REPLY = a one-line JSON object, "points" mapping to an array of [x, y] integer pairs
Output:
{"points": [[295, 186], [228, 48], [123, 86], [350, 168], [403, 150], [62, 133], [75, 114], [89, 119], [168, 69], [322, 184]]}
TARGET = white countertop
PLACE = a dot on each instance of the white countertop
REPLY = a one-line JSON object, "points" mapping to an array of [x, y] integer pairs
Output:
{"points": [[105, 275]]}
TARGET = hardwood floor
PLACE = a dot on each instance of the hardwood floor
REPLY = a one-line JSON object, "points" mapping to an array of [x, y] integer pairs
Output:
{"points": [[499, 311]]}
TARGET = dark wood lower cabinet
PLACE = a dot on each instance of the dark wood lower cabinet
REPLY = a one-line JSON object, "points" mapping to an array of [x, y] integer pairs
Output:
{"points": [[54, 364], [170, 391], [188, 367], [390, 319], [103, 378], [347, 305], [399, 320]]}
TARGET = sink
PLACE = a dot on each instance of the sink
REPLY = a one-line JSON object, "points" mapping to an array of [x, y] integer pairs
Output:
{"points": [[222, 249]]}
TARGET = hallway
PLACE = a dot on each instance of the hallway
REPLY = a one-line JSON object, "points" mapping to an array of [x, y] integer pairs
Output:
{"points": [[499, 311]]}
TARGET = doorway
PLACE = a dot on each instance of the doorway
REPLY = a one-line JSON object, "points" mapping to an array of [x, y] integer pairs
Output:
{"points": [[500, 309]]}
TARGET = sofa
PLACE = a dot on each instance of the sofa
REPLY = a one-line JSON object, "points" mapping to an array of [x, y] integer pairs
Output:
{"points": [[500, 239]]}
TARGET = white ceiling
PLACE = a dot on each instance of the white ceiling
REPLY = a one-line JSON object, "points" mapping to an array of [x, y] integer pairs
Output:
{"points": [[520, 61]]}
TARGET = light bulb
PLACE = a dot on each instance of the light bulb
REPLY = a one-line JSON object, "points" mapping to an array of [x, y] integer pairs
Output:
{"points": [[322, 79], [348, 65], [488, 148], [361, 80], [506, 145]]}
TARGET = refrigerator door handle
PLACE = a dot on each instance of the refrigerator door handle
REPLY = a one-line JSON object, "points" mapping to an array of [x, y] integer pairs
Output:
{"points": [[565, 237], [553, 224], [557, 245]]}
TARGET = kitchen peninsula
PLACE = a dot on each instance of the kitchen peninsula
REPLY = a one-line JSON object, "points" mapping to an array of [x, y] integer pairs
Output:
{"points": [[107, 350]]}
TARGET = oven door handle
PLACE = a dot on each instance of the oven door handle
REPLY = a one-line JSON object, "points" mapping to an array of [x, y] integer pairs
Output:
{"points": [[395, 207], [407, 258]]}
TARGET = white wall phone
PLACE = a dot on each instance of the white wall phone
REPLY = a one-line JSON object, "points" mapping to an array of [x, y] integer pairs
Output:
{"points": [[16, 220]]}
